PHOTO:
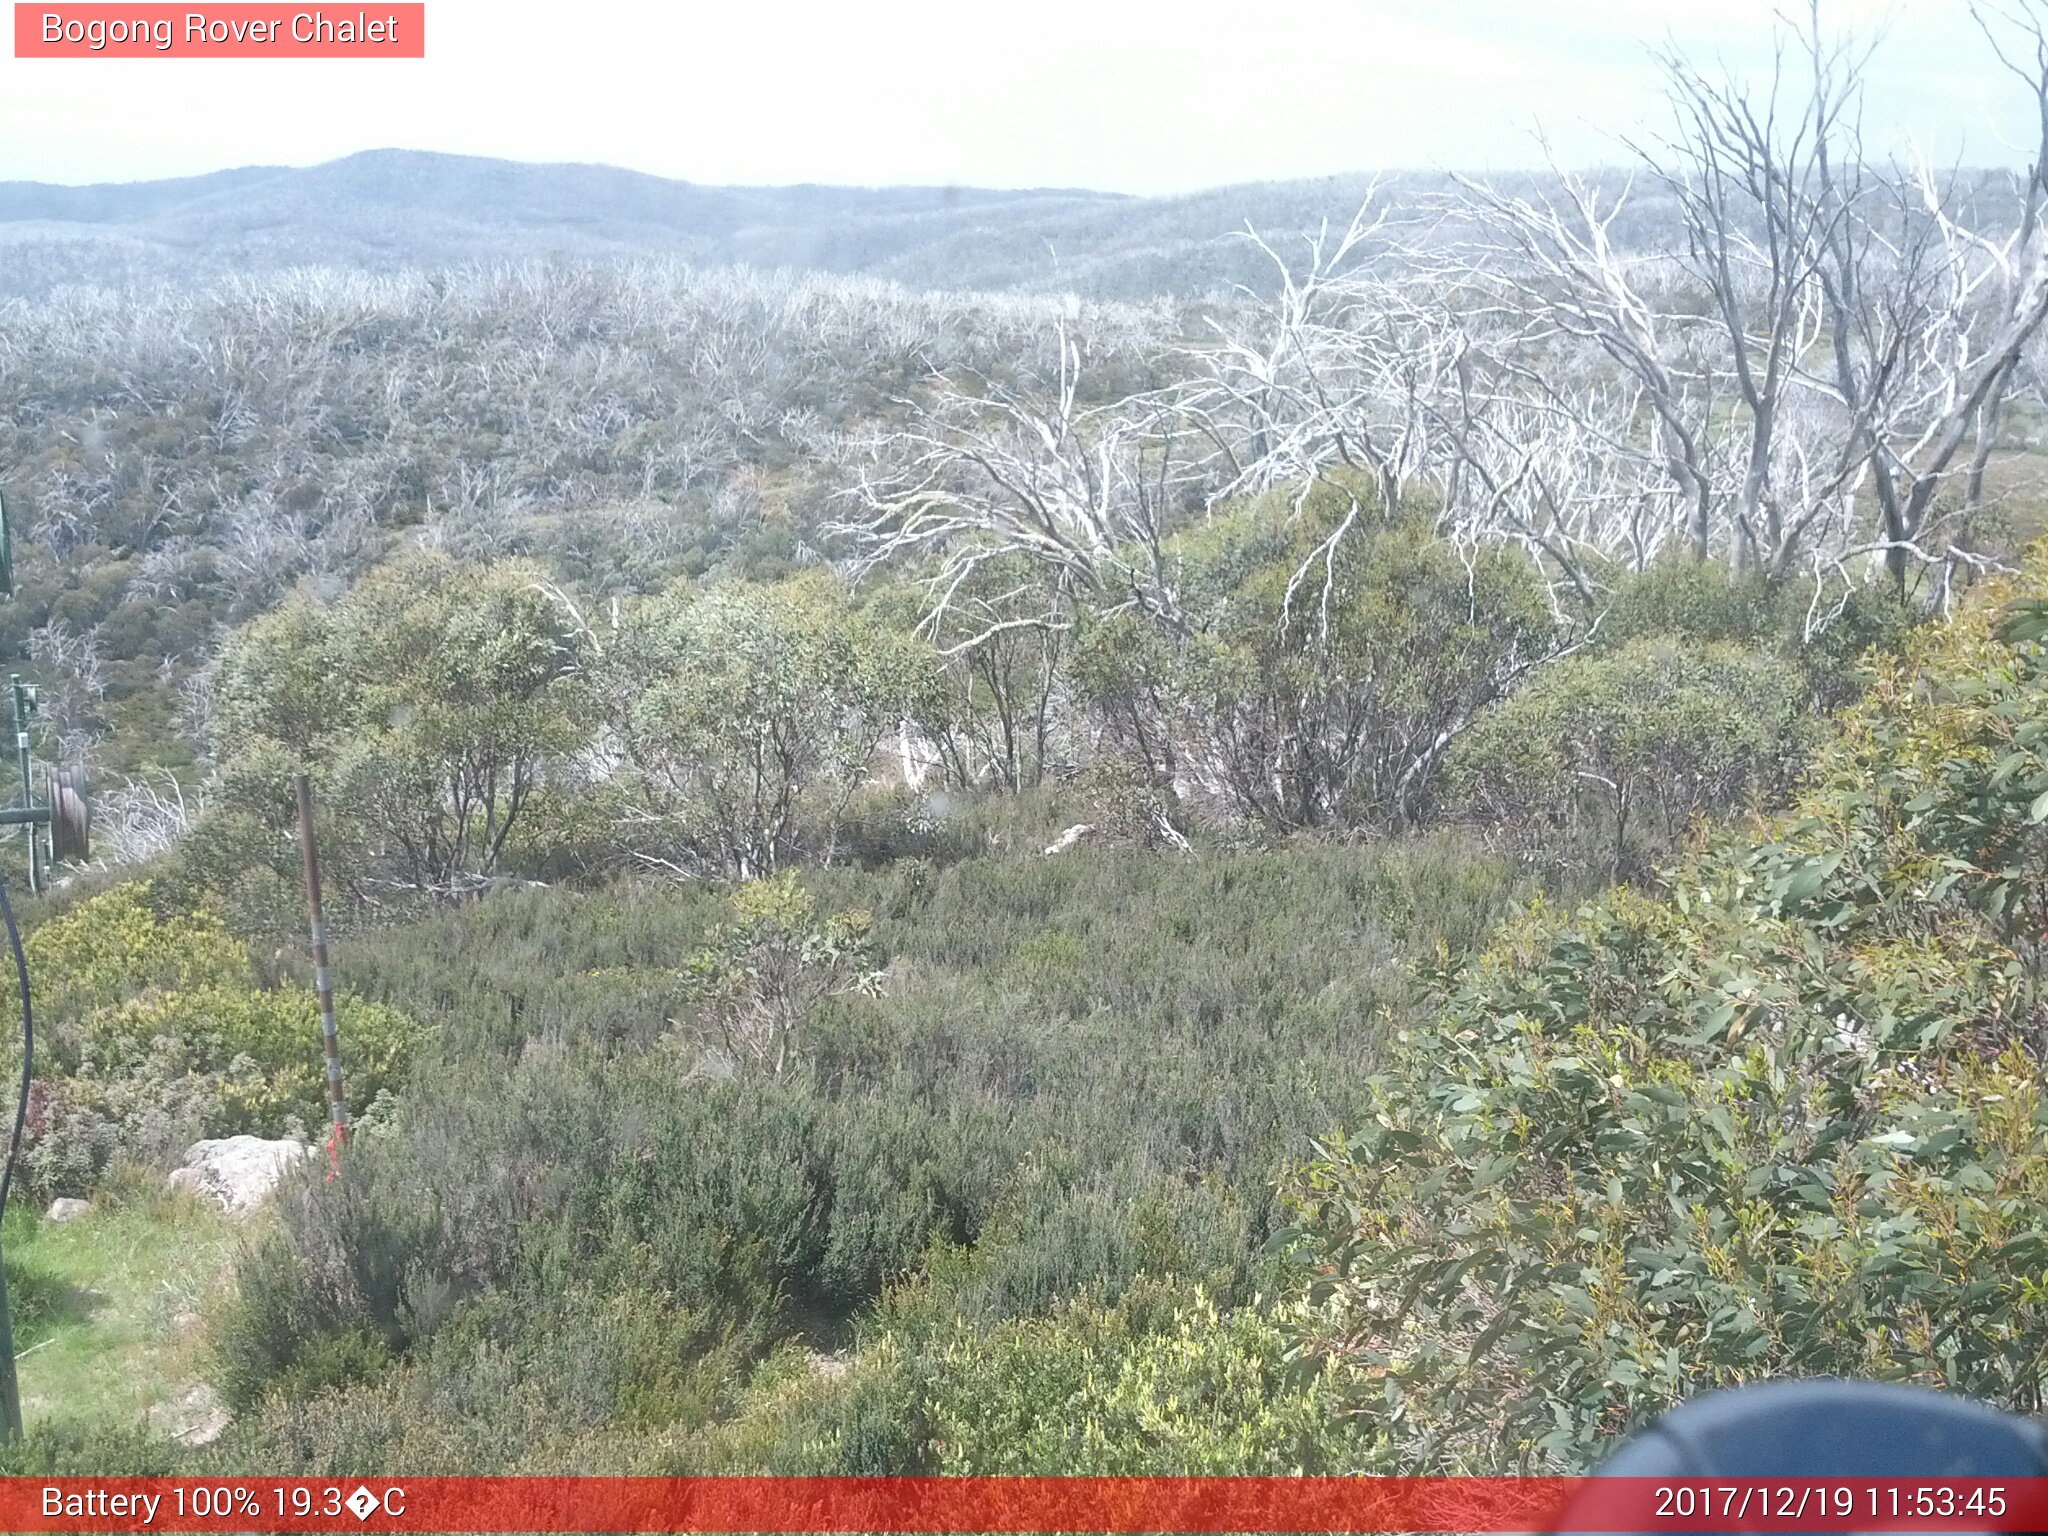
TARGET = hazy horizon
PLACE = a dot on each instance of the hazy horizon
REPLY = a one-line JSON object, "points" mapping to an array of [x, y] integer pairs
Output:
{"points": [[1138, 99], [1532, 166]]}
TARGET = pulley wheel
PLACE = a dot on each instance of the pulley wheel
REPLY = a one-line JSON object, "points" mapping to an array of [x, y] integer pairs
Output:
{"points": [[70, 817]]}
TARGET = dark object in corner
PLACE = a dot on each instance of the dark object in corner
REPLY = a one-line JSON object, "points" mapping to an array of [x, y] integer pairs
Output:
{"points": [[1831, 1428]]}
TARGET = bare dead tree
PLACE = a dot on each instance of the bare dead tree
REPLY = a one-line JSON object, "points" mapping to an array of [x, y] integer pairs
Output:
{"points": [[1551, 260], [1750, 174], [144, 817], [1925, 369], [1085, 493], [1830, 326], [1299, 380], [73, 664]]}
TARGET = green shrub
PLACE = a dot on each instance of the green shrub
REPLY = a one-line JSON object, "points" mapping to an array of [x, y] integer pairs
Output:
{"points": [[118, 946], [81, 1129], [331, 1303], [1056, 1236], [1700, 602], [761, 1202], [747, 717], [1160, 1385], [152, 1033], [1786, 1120], [1010, 1125], [263, 1045], [1317, 682], [1825, 634], [1632, 746], [806, 1415], [761, 980], [79, 1448], [433, 705], [597, 1378]]}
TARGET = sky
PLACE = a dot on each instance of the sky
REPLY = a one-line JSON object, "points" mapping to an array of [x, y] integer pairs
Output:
{"points": [[1122, 95]]}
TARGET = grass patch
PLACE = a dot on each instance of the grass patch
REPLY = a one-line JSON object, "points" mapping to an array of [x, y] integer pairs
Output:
{"points": [[106, 1308]]}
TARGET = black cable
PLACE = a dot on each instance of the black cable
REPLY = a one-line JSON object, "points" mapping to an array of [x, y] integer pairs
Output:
{"points": [[28, 1046]]}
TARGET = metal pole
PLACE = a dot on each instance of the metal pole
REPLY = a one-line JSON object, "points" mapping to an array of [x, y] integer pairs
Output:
{"points": [[323, 977], [24, 703], [10, 1386]]}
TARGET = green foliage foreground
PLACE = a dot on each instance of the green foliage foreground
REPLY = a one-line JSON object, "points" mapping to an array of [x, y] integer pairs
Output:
{"points": [[594, 1235], [1786, 1120], [153, 1032], [972, 1166]]}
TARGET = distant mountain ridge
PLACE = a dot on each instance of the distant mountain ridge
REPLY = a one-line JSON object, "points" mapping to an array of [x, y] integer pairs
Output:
{"points": [[384, 209], [387, 209]]}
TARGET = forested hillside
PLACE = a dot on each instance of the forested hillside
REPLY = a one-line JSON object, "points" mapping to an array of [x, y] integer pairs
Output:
{"points": [[391, 210], [1392, 866], [388, 210]]}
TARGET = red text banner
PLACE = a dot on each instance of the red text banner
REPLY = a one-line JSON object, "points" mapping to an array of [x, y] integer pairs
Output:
{"points": [[225, 31], [1022, 1504]]}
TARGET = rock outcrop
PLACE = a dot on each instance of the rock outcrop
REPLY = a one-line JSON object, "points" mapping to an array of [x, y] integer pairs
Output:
{"points": [[238, 1173]]}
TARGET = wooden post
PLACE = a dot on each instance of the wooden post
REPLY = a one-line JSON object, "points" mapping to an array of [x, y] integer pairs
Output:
{"points": [[323, 977]]}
